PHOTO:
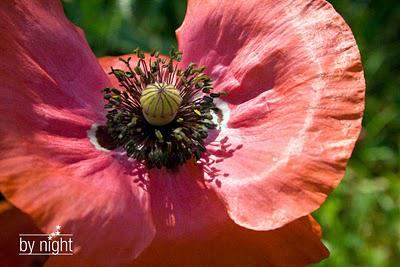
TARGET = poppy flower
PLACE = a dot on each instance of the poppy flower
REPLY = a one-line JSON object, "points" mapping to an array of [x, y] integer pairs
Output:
{"points": [[283, 135]]}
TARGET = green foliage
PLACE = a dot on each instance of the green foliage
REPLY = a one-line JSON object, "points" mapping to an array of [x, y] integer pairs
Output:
{"points": [[115, 27], [361, 219]]}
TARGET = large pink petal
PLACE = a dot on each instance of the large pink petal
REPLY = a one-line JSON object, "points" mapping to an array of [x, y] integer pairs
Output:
{"points": [[51, 96], [296, 244], [296, 99]]}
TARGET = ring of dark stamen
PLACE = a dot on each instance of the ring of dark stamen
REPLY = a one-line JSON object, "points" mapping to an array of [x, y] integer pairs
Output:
{"points": [[175, 143]]}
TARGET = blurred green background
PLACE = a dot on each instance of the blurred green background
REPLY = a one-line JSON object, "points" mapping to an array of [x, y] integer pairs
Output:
{"points": [[361, 219]]}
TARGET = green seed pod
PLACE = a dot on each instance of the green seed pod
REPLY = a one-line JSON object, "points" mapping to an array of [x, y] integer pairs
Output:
{"points": [[160, 103]]}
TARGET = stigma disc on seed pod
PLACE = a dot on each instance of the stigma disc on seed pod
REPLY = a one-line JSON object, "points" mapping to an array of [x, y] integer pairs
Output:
{"points": [[160, 103]]}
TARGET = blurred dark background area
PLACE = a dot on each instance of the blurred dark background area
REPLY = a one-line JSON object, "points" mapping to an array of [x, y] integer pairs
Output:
{"points": [[115, 27], [361, 219]]}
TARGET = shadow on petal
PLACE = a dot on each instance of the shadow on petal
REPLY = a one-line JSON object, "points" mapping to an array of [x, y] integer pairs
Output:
{"points": [[182, 206], [217, 152], [12, 223]]}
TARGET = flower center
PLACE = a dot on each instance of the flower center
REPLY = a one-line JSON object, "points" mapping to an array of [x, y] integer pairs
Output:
{"points": [[161, 114], [160, 103]]}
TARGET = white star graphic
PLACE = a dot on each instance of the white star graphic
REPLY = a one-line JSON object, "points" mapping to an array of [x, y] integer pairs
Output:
{"points": [[58, 227], [50, 237]]}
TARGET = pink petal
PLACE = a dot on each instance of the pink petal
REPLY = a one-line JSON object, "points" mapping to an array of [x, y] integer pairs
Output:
{"points": [[51, 96], [296, 99], [296, 244]]}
